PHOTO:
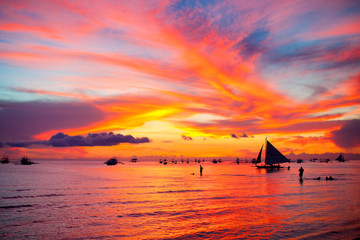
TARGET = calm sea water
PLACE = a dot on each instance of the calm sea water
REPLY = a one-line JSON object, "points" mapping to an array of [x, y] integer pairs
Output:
{"points": [[147, 200]]}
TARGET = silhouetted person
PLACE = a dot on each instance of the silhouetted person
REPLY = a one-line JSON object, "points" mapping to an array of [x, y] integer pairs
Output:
{"points": [[288, 167], [301, 172], [201, 169]]}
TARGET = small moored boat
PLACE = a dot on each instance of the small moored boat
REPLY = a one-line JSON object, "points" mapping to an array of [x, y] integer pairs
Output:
{"points": [[26, 161], [5, 159], [111, 161]]}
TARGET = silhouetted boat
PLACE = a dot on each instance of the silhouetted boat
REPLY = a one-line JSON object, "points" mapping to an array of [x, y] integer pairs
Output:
{"points": [[111, 161], [215, 161], [340, 158], [26, 161], [5, 159], [134, 160], [273, 157], [299, 161]]}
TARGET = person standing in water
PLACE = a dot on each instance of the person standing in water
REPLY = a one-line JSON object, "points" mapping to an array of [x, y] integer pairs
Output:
{"points": [[201, 169], [301, 172]]}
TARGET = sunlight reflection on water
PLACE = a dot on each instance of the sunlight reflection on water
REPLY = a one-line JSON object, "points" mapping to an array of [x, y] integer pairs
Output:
{"points": [[146, 200]]}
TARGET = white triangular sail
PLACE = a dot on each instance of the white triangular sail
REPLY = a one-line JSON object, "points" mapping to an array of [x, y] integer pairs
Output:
{"points": [[273, 156]]}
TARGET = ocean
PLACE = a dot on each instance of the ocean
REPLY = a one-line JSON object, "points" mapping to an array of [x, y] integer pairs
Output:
{"points": [[147, 200]]}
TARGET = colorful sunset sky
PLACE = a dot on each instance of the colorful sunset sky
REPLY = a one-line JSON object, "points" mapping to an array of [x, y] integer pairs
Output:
{"points": [[96, 79]]}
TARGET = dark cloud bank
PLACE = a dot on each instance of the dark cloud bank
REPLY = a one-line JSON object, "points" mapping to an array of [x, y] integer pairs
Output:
{"points": [[91, 140], [20, 121], [348, 136]]}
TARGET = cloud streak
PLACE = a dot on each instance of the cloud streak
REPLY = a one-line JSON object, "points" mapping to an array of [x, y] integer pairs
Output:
{"points": [[91, 140], [186, 138]]}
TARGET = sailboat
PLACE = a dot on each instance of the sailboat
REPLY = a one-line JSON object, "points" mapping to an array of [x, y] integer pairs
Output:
{"points": [[273, 157], [340, 158]]}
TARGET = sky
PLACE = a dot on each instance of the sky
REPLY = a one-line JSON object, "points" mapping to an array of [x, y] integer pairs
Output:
{"points": [[97, 79]]}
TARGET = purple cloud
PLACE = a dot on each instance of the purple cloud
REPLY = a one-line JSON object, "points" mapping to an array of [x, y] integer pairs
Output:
{"points": [[94, 139], [26, 144], [348, 135], [244, 135], [20, 121], [91, 140], [186, 138]]}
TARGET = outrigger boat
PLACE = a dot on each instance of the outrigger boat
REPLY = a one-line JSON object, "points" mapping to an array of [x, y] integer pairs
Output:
{"points": [[273, 157]]}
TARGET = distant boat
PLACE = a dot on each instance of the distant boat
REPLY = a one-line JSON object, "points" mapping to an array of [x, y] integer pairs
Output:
{"points": [[26, 161], [215, 161], [299, 161], [340, 158], [134, 160], [273, 157], [111, 162], [5, 159]]}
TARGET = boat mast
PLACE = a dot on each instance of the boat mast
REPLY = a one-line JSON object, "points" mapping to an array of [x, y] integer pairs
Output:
{"points": [[265, 149]]}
